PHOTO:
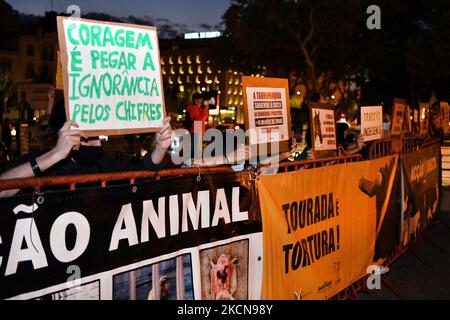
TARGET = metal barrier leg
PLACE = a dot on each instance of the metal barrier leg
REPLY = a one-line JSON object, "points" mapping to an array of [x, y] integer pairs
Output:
{"points": [[355, 290]]}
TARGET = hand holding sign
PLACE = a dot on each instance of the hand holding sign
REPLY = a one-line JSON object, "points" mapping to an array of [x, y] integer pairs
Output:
{"points": [[68, 139], [164, 136]]}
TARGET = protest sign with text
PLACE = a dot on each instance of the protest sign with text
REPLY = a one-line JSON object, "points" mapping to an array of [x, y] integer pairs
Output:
{"points": [[112, 76]]}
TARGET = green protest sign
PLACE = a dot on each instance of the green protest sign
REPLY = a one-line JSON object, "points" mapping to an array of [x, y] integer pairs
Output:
{"points": [[112, 76]]}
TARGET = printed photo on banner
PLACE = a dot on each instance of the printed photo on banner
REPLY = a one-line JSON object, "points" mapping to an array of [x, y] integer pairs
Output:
{"points": [[323, 127], [382, 189], [166, 280], [267, 111], [112, 76], [89, 291], [398, 114], [424, 119], [445, 112], [224, 271], [372, 123]]}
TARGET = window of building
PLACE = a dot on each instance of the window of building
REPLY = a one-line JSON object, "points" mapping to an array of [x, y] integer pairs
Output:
{"points": [[180, 70], [199, 70], [170, 60], [30, 70], [197, 59], [30, 50], [5, 65]]}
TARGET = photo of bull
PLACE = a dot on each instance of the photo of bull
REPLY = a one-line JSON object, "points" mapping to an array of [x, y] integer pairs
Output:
{"points": [[223, 277]]}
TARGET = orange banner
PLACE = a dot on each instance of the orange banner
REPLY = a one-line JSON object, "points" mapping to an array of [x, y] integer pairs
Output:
{"points": [[324, 227]]}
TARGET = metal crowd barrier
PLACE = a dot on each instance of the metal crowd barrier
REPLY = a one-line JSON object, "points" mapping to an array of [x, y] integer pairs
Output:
{"points": [[104, 178], [310, 164], [377, 149], [381, 148]]}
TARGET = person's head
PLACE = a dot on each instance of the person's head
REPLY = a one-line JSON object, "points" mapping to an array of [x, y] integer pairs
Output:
{"points": [[165, 288], [197, 99]]}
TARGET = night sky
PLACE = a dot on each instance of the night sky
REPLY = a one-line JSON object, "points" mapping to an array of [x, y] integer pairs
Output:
{"points": [[189, 12]]}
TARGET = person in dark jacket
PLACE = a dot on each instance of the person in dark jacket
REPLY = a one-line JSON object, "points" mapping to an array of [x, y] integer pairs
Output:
{"points": [[76, 154]]}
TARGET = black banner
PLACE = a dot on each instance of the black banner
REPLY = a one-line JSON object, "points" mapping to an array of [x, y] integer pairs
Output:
{"points": [[99, 229]]}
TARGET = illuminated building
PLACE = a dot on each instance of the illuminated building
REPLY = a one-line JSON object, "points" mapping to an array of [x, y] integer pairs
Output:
{"points": [[187, 66]]}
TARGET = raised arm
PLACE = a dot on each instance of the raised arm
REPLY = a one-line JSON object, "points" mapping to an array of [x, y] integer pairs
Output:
{"points": [[68, 139], [163, 142]]}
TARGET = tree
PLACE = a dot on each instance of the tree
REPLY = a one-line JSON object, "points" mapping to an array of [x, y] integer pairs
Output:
{"points": [[308, 41], [327, 46]]}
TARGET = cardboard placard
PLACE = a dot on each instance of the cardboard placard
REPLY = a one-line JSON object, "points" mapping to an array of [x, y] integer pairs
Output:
{"points": [[424, 119], [112, 76], [58, 76], [372, 123], [416, 117], [445, 112], [323, 128], [398, 114], [267, 111]]}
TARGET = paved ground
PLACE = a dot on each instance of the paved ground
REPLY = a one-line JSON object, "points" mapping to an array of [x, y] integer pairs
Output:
{"points": [[427, 278]]}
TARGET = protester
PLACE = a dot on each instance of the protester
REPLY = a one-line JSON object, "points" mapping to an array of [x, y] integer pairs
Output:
{"points": [[74, 153], [198, 111], [349, 141], [435, 127]]}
